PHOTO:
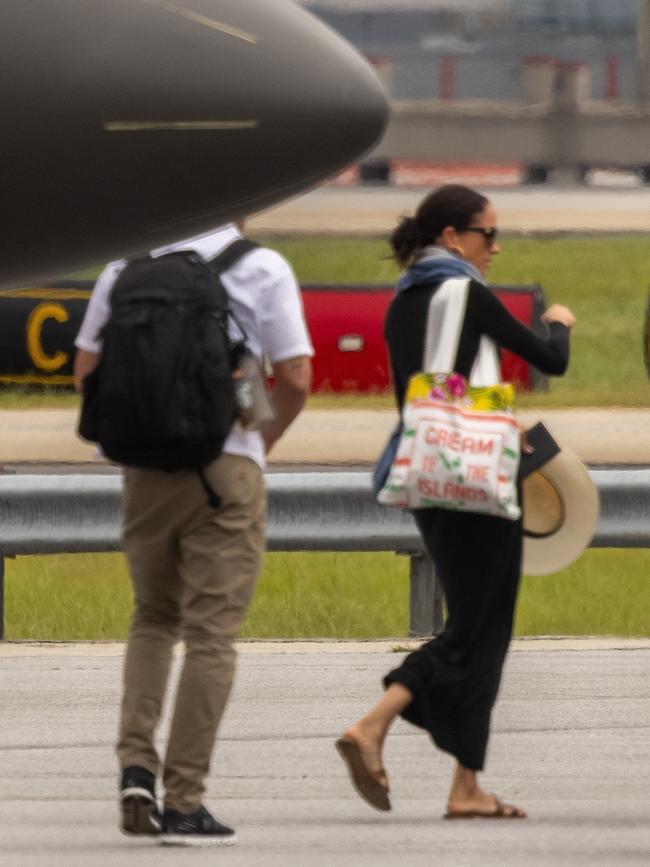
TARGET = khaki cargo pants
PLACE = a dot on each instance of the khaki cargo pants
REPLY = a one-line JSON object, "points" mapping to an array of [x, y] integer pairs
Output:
{"points": [[194, 570]]}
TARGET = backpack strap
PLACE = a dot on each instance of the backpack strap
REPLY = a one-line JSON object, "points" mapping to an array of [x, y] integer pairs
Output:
{"points": [[221, 263], [214, 500], [228, 257], [231, 254]]}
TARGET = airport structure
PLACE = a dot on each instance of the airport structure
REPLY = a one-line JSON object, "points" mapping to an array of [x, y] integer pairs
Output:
{"points": [[560, 86], [487, 41]]}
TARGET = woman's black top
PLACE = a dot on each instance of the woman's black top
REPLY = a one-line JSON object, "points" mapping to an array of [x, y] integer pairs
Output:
{"points": [[406, 322]]}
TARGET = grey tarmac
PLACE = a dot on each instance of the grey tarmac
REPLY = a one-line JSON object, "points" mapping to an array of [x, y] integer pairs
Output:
{"points": [[374, 210], [571, 743], [348, 436]]}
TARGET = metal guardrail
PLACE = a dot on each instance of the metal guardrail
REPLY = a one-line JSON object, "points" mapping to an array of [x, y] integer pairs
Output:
{"points": [[327, 511]]}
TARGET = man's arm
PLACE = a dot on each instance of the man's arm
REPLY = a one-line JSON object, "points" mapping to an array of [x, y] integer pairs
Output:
{"points": [[84, 363], [292, 384], [88, 341]]}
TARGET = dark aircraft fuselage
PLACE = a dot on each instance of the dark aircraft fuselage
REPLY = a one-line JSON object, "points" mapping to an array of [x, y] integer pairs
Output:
{"points": [[129, 123]]}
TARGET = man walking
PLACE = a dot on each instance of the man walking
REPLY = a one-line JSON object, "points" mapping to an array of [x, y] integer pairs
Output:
{"points": [[194, 566]]}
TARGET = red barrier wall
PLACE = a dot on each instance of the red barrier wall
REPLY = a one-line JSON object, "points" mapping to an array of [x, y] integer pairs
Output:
{"points": [[346, 327]]}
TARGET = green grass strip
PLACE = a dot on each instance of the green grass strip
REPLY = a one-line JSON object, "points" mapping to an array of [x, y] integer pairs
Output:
{"points": [[346, 595]]}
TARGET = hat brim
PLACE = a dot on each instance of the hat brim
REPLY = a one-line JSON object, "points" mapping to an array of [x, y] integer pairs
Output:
{"points": [[578, 507]]}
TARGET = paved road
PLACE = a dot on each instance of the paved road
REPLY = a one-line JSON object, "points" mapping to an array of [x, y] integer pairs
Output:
{"points": [[374, 210], [343, 436], [571, 742]]}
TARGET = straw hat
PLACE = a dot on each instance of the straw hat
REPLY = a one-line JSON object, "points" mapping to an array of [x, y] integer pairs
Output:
{"points": [[560, 514]]}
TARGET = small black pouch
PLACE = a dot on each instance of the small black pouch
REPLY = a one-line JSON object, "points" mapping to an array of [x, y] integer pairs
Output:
{"points": [[544, 448]]}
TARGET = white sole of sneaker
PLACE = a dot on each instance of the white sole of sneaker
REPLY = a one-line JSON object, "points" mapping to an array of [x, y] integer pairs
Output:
{"points": [[196, 840]]}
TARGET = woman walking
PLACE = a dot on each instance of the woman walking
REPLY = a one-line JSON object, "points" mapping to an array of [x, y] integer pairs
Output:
{"points": [[448, 686]]}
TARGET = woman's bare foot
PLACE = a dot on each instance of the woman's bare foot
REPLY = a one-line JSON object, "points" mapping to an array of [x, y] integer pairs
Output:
{"points": [[369, 741], [482, 805], [361, 752], [467, 800], [361, 746]]}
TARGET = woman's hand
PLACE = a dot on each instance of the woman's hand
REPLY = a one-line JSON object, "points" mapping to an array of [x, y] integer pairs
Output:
{"points": [[559, 313]]}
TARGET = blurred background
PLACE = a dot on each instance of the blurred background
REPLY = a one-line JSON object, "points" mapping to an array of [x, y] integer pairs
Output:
{"points": [[585, 61], [487, 42]]}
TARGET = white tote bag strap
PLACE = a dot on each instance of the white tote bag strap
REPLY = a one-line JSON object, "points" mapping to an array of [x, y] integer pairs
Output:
{"points": [[445, 321], [444, 325], [486, 369]]}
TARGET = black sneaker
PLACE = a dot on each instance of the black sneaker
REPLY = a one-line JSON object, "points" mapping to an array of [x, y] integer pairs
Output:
{"points": [[140, 814], [199, 828]]}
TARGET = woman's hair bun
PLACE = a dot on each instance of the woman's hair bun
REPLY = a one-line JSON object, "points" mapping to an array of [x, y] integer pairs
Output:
{"points": [[405, 239]]}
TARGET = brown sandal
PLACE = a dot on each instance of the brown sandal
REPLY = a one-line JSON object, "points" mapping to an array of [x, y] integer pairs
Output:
{"points": [[501, 811], [364, 781]]}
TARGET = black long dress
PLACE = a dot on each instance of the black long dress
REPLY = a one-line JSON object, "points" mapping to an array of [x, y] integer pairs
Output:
{"points": [[455, 677]]}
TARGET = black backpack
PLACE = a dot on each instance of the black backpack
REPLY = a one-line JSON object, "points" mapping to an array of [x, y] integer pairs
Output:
{"points": [[162, 394]]}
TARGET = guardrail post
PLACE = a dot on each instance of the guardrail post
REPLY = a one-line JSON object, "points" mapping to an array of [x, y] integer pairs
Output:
{"points": [[2, 596], [425, 598]]}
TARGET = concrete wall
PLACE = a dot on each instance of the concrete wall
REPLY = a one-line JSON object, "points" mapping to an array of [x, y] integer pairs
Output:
{"points": [[597, 135]]}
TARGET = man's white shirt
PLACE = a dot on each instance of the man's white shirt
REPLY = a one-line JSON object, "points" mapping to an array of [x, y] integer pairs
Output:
{"points": [[264, 297]]}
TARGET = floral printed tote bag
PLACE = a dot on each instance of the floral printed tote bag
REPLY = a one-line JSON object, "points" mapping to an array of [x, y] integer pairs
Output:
{"points": [[459, 446]]}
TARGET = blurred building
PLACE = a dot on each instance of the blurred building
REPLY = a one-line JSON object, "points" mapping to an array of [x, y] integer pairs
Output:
{"points": [[474, 49]]}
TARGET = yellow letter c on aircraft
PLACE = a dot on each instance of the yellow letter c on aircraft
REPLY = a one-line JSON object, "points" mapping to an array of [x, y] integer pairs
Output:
{"points": [[34, 329]]}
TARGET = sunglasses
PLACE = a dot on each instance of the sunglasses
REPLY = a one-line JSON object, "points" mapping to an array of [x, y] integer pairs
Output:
{"points": [[490, 235]]}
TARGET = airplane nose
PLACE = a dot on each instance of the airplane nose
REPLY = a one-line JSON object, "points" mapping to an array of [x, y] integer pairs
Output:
{"points": [[130, 123]]}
